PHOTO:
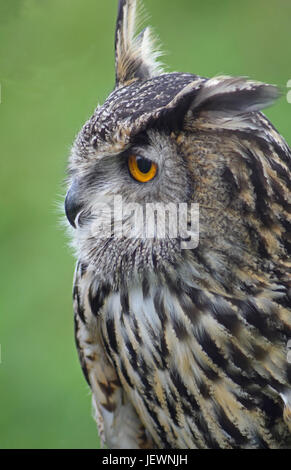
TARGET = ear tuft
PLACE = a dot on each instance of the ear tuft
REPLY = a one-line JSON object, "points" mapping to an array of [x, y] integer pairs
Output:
{"points": [[221, 97], [135, 56], [234, 95]]}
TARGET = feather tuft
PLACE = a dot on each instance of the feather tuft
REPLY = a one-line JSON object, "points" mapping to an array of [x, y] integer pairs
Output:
{"points": [[136, 56]]}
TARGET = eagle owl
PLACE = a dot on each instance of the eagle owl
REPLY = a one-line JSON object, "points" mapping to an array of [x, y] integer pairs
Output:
{"points": [[182, 347]]}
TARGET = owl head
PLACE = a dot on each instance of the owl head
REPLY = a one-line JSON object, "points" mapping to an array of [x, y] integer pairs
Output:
{"points": [[174, 138]]}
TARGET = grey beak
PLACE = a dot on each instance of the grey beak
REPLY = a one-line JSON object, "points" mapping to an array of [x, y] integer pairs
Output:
{"points": [[73, 205]]}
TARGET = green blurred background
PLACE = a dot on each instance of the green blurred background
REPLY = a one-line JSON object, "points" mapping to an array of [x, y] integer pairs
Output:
{"points": [[56, 64]]}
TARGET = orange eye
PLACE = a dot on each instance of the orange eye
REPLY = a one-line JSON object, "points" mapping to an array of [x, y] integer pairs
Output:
{"points": [[142, 169]]}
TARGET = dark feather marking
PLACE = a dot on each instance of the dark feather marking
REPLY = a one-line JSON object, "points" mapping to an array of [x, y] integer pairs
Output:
{"points": [[198, 298], [180, 329], [145, 287], [107, 389], [273, 412], [229, 178], [158, 343], [259, 187], [201, 424], [136, 331], [190, 310], [83, 269], [210, 440], [272, 409], [80, 352], [172, 284], [132, 355], [230, 428], [143, 366], [125, 374], [288, 373], [160, 309], [247, 375], [110, 327], [105, 344], [141, 140], [194, 436], [160, 430], [164, 347], [212, 350], [155, 262], [163, 351], [81, 310], [172, 409], [226, 316], [109, 406], [245, 381], [97, 300], [248, 402], [238, 358], [210, 373], [172, 118], [287, 226], [278, 195], [285, 302], [186, 408], [204, 390], [124, 301], [182, 390], [264, 145], [91, 357], [280, 170], [159, 363], [287, 245], [260, 320], [258, 242], [259, 352]]}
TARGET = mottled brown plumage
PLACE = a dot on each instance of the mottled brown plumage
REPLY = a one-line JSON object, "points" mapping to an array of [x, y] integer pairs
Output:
{"points": [[184, 348]]}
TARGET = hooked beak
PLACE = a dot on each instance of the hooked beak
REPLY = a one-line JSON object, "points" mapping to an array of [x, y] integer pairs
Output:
{"points": [[73, 205]]}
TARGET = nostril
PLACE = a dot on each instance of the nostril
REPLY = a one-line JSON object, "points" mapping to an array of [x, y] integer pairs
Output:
{"points": [[73, 205]]}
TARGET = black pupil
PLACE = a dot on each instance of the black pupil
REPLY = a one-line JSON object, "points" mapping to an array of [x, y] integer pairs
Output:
{"points": [[144, 165]]}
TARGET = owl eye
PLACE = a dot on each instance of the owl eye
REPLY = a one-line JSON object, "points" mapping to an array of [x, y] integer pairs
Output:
{"points": [[142, 169]]}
